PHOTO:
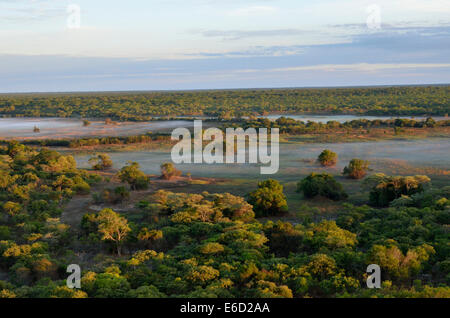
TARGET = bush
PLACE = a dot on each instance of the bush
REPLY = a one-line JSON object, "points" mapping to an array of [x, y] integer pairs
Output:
{"points": [[101, 162], [327, 158], [133, 176], [356, 169], [389, 188], [121, 194], [116, 195], [168, 171], [322, 184], [268, 199], [5, 233]]}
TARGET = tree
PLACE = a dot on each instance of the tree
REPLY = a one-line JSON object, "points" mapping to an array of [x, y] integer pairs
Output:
{"points": [[113, 227], [146, 292], [356, 169], [133, 176], [430, 122], [101, 162], [234, 207], [322, 184], [149, 236], [327, 158], [268, 199], [121, 194], [327, 233], [12, 208], [389, 188], [395, 263], [168, 171]]}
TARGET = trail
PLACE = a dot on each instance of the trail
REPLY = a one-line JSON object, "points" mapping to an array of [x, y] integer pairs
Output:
{"points": [[73, 211]]}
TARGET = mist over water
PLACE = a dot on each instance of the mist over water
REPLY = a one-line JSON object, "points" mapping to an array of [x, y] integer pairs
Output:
{"points": [[396, 157], [53, 128]]}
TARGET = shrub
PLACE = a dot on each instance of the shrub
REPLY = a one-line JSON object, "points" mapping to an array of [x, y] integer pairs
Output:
{"points": [[389, 188], [322, 184], [101, 162], [121, 194], [168, 171], [356, 169], [327, 158], [268, 199], [133, 176]]}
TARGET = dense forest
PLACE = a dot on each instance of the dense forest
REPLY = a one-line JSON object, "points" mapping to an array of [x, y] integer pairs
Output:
{"points": [[137, 106], [215, 245]]}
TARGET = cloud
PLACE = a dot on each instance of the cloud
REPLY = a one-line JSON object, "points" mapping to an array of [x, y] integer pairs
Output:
{"points": [[256, 51], [394, 44], [241, 34], [30, 11], [253, 11], [429, 6], [401, 54], [358, 67]]}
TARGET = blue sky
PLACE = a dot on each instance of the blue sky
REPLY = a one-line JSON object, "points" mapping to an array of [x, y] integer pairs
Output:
{"points": [[204, 44]]}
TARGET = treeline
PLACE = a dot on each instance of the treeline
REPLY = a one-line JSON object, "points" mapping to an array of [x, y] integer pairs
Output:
{"points": [[292, 126], [286, 125], [85, 142], [140, 106]]}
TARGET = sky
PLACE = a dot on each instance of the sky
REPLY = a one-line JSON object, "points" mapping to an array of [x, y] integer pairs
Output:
{"points": [[80, 45]]}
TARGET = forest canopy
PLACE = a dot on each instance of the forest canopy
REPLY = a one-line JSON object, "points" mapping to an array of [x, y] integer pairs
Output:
{"points": [[406, 100]]}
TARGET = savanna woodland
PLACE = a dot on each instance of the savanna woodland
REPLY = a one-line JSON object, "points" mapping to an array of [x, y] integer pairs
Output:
{"points": [[310, 230]]}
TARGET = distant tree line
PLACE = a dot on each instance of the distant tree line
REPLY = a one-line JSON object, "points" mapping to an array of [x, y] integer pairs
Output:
{"points": [[225, 104], [85, 142], [292, 126]]}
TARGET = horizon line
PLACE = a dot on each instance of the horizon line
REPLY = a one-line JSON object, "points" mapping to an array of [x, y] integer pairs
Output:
{"points": [[221, 89]]}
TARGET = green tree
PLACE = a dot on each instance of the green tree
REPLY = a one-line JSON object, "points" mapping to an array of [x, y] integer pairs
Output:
{"points": [[112, 227], [121, 194], [12, 208], [101, 161], [168, 171], [327, 158], [268, 199], [146, 292], [356, 169], [322, 184], [388, 188], [133, 176]]}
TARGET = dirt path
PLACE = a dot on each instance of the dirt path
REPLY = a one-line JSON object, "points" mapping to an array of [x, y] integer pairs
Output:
{"points": [[73, 212]]}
